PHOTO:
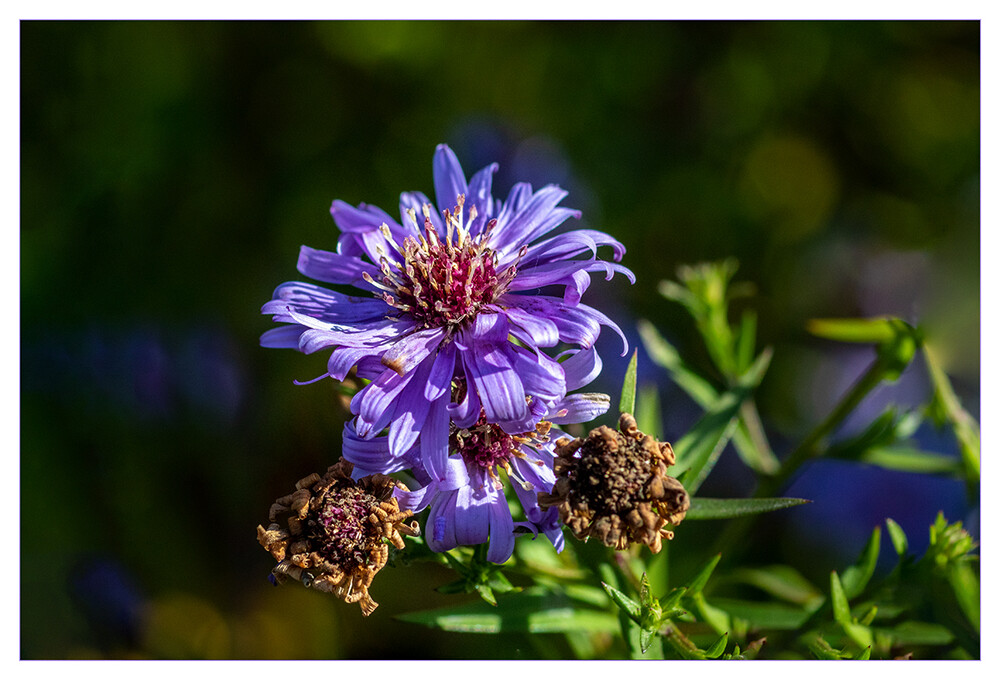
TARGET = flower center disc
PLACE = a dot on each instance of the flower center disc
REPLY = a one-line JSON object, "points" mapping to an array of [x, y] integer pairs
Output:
{"points": [[342, 526], [443, 281]]}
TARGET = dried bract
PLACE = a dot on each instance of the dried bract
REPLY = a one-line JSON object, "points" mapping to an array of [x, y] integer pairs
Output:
{"points": [[336, 532], [613, 485]]}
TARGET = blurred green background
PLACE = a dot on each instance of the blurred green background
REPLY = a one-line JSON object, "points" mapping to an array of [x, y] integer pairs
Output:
{"points": [[170, 171]]}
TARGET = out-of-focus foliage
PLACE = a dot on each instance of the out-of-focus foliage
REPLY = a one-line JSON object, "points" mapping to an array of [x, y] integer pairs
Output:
{"points": [[170, 170]]}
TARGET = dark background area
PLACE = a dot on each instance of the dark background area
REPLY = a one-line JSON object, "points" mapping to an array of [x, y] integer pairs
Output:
{"points": [[170, 171]]}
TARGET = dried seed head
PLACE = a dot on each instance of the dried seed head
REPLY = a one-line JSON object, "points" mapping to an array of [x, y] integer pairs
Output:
{"points": [[614, 486], [336, 532]]}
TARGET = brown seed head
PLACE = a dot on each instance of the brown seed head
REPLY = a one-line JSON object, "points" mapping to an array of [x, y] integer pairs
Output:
{"points": [[613, 485], [336, 532]]}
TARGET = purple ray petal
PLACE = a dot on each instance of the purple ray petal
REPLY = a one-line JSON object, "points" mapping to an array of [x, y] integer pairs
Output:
{"points": [[479, 195], [410, 351], [330, 267], [440, 528], [442, 372], [361, 219], [434, 440], [581, 368], [414, 200], [538, 331], [283, 337], [501, 529], [580, 408], [449, 180], [472, 524]]}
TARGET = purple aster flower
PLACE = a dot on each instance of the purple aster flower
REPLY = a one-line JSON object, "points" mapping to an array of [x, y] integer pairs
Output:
{"points": [[450, 323], [464, 489]]}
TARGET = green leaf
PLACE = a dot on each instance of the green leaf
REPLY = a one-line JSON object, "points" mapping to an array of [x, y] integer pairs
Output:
{"points": [[856, 577], [781, 581], [717, 647], [645, 639], [947, 408], [486, 593], [627, 403], [841, 608], [913, 633], [746, 340], [881, 431], [908, 459], [726, 508], [867, 619], [716, 618], [633, 634], [859, 634], [529, 612], [864, 655], [664, 355], [964, 583], [898, 536], [773, 615], [645, 595], [624, 602], [897, 340], [822, 650], [647, 415], [875, 330], [697, 584], [897, 353], [673, 598], [585, 593]]}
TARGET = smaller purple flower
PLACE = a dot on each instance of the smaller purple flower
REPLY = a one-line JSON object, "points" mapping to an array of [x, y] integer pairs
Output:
{"points": [[466, 492]]}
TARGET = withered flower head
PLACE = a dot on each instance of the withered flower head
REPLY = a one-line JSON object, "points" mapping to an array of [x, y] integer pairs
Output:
{"points": [[617, 488], [336, 532]]}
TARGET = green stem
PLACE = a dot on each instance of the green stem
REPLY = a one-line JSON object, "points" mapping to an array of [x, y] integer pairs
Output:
{"points": [[729, 543], [681, 644], [810, 446]]}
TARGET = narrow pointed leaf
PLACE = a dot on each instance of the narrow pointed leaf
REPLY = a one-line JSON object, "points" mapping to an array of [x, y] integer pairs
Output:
{"points": [[772, 615], [726, 508], [841, 608], [532, 611], [624, 602], [875, 330], [746, 340], [898, 537], [948, 407], [864, 654], [913, 633], [856, 577], [672, 598], [966, 587], [908, 459], [781, 581], [697, 584], [486, 593], [718, 647], [647, 412], [645, 595], [710, 614], [664, 354], [627, 402], [822, 650], [704, 394], [645, 638]]}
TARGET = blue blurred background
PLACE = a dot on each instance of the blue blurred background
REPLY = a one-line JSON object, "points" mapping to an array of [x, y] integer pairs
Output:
{"points": [[170, 171]]}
